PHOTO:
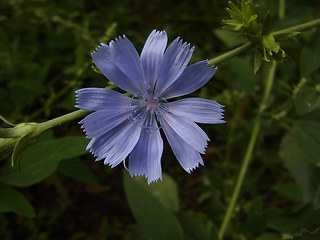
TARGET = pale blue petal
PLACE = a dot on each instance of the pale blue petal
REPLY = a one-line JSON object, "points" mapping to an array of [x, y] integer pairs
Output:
{"points": [[194, 77], [187, 156], [189, 131], [115, 145], [94, 99], [174, 61], [197, 110], [145, 158], [100, 122], [128, 60], [107, 65], [152, 54]]}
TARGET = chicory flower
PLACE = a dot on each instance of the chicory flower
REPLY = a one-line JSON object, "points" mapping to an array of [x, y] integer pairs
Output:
{"points": [[120, 126]]}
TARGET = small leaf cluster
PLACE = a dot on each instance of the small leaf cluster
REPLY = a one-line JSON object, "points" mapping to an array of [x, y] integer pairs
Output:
{"points": [[246, 20]]}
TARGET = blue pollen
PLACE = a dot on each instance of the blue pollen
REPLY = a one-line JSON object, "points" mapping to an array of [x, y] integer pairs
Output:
{"points": [[149, 108]]}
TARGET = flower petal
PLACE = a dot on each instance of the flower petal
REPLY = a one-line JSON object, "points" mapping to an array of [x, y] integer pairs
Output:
{"points": [[189, 131], [187, 156], [152, 54], [95, 99], [173, 63], [197, 110], [100, 122], [194, 77], [115, 145], [107, 65], [128, 60], [145, 158]]}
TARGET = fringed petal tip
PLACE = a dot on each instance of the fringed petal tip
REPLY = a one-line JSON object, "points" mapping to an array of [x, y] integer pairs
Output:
{"points": [[154, 180], [182, 42], [101, 46], [149, 179], [159, 31], [116, 40], [190, 170]]}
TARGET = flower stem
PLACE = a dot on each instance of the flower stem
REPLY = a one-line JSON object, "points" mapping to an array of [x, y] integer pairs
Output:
{"points": [[250, 148], [248, 45], [300, 27], [282, 8], [230, 54], [61, 120]]}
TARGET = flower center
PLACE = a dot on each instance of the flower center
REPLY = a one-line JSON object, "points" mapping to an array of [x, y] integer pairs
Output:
{"points": [[149, 108]]}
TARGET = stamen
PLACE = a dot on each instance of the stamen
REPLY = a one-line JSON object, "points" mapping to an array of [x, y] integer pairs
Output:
{"points": [[139, 113], [134, 103], [164, 108], [149, 89], [159, 118], [138, 96], [148, 123], [162, 99], [148, 107]]}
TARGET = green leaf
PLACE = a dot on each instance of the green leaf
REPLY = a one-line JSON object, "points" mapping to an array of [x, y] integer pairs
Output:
{"points": [[258, 60], [197, 227], [41, 159], [13, 201], [306, 174], [240, 74], [155, 221], [229, 38], [165, 191], [256, 220], [76, 169], [267, 25], [306, 100], [291, 222], [308, 135], [289, 190], [310, 57]]}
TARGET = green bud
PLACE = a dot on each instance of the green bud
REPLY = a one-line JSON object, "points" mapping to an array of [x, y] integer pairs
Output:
{"points": [[243, 19], [17, 138], [17, 131], [271, 48]]}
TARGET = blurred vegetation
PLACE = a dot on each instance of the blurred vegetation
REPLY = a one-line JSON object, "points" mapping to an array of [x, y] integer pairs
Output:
{"points": [[59, 192]]}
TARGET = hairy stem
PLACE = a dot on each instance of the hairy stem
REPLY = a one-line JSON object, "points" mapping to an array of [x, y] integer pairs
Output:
{"points": [[248, 45], [282, 8], [62, 119], [299, 28], [230, 54], [250, 148]]}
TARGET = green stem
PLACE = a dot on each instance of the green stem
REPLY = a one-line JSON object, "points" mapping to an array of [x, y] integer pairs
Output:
{"points": [[241, 176], [230, 54], [248, 45], [300, 27], [61, 120], [248, 155], [282, 9]]}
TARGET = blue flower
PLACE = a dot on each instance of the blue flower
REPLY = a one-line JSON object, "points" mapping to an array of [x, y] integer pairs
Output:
{"points": [[120, 126]]}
